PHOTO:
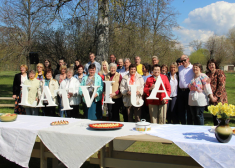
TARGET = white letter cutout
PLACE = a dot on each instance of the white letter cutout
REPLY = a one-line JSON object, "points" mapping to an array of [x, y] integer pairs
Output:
{"points": [[24, 99], [46, 93], [156, 90], [86, 95], [65, 100], [108, 91], [133, 96]]}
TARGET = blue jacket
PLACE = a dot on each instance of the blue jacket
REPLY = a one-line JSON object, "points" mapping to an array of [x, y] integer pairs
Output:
{"points": [[98, 82]]}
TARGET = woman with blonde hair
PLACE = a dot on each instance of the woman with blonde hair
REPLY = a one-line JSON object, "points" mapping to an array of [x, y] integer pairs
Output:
{"points": [[40, 74], [19, 79], [173, 77], [104, 69]]}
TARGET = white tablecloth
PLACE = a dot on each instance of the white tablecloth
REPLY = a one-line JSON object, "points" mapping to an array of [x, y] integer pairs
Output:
{"points": [[199, 143], [17, 138], [75, 143]]}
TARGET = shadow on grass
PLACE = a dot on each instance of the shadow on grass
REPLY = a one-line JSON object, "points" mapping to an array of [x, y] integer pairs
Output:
{"points": [[5, 90]]}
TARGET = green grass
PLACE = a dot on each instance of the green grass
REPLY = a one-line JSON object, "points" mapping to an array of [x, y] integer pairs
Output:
{"points": [[6, 83]]}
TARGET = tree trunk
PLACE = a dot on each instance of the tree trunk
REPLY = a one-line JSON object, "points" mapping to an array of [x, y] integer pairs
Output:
{"points": [[103, 30]]}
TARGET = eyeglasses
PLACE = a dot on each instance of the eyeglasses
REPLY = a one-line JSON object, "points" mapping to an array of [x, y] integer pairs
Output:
{"points": [[183, 60]]}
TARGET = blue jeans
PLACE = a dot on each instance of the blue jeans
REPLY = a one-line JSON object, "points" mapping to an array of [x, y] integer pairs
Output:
{"points": [[62, 113], [197, 114]]}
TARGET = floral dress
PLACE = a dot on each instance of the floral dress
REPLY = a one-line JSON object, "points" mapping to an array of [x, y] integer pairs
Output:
{"points": [[218, 82], [199, 90]]}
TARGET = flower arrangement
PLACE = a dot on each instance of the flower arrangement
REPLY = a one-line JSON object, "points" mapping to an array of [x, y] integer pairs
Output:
{"points": [[222, 111]]}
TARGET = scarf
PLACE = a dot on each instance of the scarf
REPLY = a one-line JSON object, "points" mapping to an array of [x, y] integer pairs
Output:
{"points": [[132, 79]]}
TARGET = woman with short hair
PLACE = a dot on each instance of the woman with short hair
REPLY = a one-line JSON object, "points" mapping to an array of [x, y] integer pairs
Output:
{"points": [[40, 74], [72, 84], [116, 95], [19, 79], [173, 77], [200, 91], [164, 69], [132, 78], [157, 111], [217, 82], [52, 85], [32, 93], [94, 112], [79, 75]]}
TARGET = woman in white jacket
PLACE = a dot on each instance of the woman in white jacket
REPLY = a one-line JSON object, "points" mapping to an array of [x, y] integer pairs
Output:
{"points": [[52, 85], [72, 84]]}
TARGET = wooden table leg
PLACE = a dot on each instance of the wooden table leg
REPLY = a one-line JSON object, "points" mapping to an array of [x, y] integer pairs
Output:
{"points": [[111, 149], [43, 160], [102, 156]]}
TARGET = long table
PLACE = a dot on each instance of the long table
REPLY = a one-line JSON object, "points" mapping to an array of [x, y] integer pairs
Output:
{"points": [[73, 144]]}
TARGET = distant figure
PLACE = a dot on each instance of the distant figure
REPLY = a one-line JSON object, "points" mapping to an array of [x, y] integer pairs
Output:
{"points": [[19, 79], [138, 65], [47, 64], [57, 70], [125, 71], [120, 65], [92, 61], [179, 62], [40, 74], [112, 59], [155, 60], [164, 69]]}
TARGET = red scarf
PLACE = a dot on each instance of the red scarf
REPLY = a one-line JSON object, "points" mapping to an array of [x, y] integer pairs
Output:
{"points": [[132, 80]]}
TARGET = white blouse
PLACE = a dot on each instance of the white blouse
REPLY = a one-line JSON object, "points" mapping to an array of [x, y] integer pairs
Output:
{"points": [[23, 79], [174, 86]]}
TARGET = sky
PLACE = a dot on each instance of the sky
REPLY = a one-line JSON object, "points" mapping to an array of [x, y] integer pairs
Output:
{"points": [[199, 19]]}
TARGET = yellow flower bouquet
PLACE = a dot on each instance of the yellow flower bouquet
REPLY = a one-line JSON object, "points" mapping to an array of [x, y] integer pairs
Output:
{"points": [[222, 111]]}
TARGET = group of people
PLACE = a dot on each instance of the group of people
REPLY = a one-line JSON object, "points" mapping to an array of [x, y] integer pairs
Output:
{"points": [[190, 90]]}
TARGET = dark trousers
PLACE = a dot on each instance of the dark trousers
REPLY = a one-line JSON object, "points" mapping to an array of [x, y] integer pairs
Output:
{"points": [[48, 111], [114, 109], [145, 112], [124, 112], [197, 114], [172, 111], [74, 113], [184, 113]]}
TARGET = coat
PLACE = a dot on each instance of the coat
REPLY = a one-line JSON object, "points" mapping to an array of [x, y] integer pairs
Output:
{"points": [[53, 85], [149, 82], [33, 90], [73, 87], [124, 88], [98, 82], [16, 84]]}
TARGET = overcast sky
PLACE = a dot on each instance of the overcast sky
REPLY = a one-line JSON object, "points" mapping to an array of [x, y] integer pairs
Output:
{"points": [[199, 19]]}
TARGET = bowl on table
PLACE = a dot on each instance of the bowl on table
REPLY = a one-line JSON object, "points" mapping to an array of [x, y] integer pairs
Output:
{"points": [[143, 126], [8, 117]]}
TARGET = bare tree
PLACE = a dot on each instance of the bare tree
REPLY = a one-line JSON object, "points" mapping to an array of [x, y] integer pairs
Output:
{"points": [[196, 44]]}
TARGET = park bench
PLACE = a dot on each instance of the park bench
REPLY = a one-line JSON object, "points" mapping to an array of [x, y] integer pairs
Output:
{"points": [[7, 105]]}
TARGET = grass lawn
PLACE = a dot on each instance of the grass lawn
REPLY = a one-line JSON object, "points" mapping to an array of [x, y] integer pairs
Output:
{"points": [[6, 83]]}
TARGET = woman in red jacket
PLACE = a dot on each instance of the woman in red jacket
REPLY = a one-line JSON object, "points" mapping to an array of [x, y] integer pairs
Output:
{"points": [[157, 111]]}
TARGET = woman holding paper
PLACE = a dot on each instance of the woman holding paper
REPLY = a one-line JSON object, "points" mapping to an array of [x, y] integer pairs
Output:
{"points": [[94, 112], [72, 86], [116, 94], [132, 78], [157, 111], [32, 93], [52, 85], [200, 91]]}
